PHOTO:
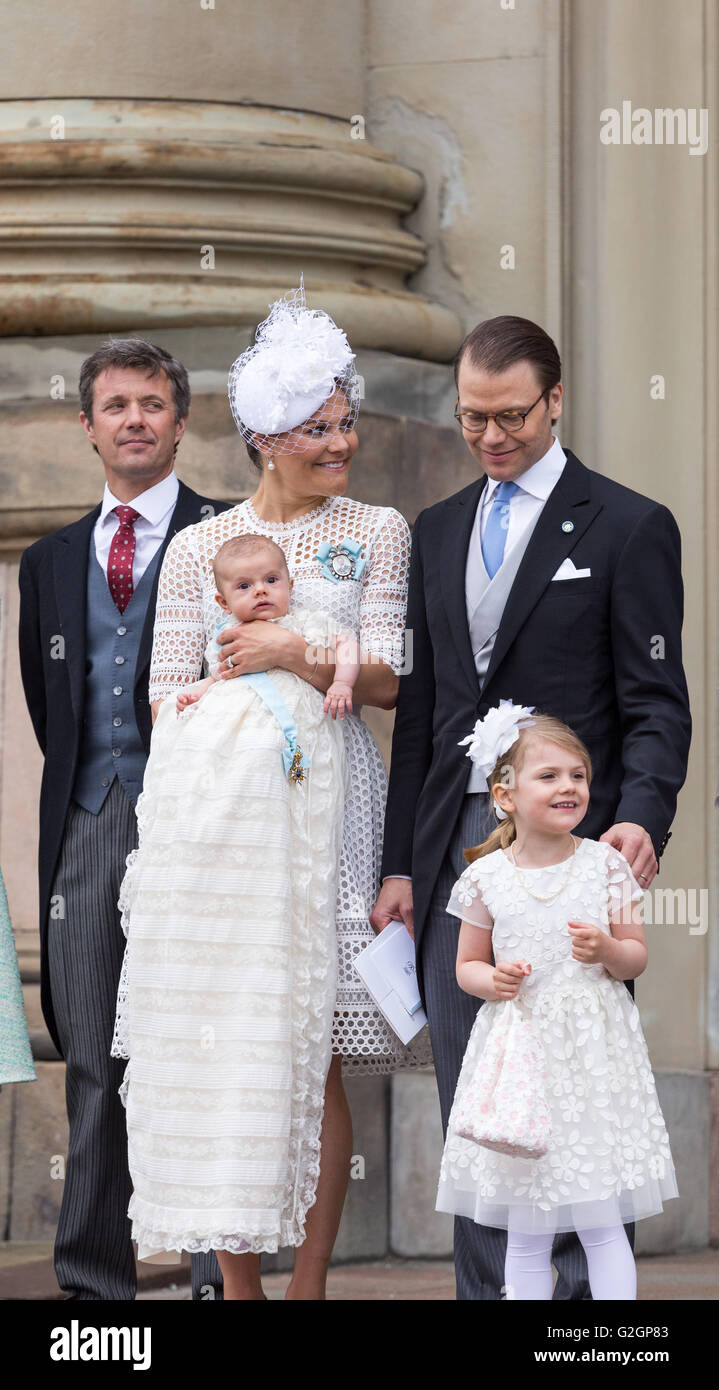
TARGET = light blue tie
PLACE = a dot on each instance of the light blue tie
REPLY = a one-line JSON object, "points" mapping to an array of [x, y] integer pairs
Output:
{"points": [[495, 533]]}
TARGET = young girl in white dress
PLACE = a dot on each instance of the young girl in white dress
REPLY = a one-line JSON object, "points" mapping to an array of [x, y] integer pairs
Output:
{"points": [[551, 929], [228, 988]]}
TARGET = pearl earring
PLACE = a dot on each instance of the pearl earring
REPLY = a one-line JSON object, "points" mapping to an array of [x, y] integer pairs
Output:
{"points": [[270, 463]]}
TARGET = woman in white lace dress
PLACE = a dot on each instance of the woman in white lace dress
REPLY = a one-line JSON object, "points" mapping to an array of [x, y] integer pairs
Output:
{"points": [[349, 559]]}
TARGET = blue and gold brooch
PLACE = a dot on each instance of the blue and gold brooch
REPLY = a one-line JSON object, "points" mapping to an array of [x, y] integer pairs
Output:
{"points": [[296, 764], [341, 561]]}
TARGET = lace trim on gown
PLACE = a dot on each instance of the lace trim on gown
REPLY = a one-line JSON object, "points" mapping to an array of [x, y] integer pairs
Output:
{"points": [[229, 978]]}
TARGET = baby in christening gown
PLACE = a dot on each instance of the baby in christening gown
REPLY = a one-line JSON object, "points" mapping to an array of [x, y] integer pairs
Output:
{"points": [[245, 608], [227, 992], [550, 931]]}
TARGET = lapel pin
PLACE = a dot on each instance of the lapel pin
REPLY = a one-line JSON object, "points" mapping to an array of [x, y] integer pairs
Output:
{"points": [[567, 525]]}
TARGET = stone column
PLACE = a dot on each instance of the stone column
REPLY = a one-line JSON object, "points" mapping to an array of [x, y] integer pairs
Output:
{"points": [[180, 213], [472, 95]]}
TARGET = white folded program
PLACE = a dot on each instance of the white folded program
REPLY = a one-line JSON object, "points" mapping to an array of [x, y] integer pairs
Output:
{"points": [[388, 968]]}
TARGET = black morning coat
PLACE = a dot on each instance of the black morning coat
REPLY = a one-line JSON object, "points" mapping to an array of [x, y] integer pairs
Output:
{"points": [[602, 653], [53, 601]]}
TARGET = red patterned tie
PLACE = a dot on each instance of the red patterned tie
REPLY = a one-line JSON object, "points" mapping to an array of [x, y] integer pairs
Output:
{"points": [[119, 564]]}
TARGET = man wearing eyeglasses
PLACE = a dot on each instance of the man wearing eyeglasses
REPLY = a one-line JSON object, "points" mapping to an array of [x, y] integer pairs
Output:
{"points": [[550, 585]]}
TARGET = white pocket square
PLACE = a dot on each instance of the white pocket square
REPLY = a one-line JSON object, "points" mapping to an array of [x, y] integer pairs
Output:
{"points": [[568, 571]]}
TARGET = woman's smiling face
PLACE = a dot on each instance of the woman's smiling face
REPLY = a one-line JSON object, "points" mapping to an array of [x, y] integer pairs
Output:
{"points": [[320, 466]]}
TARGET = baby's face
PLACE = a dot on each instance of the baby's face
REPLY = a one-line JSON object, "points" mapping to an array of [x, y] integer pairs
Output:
{"points": [[255, 586]]}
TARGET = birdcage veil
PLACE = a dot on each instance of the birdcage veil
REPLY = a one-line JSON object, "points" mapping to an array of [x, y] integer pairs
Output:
{"points": [[299, 362]]}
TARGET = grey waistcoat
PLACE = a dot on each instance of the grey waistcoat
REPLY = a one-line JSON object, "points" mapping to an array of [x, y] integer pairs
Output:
{"points": [[111, 744], [486, 599]]}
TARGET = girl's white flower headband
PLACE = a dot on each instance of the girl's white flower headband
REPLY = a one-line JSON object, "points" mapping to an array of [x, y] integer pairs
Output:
{"points": [[494, 735]]}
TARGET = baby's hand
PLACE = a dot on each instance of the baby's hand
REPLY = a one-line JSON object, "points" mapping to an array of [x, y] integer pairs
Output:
{"points": [[588, 943], [508, 976], [338, 699], [187, 697]]}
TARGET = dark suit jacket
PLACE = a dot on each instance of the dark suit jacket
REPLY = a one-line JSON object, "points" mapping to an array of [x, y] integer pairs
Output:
{"points": [[579, 649], [53, 602]]}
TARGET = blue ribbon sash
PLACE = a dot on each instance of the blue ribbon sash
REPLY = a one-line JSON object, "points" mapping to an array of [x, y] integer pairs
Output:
{"points": [[295, 763]]}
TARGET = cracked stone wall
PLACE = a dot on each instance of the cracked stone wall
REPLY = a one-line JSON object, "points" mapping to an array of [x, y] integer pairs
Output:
{"points": [[468, 95]]}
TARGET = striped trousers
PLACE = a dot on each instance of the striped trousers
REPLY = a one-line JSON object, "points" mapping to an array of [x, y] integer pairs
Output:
{"points": [[479, 1251], [94, 1257]]}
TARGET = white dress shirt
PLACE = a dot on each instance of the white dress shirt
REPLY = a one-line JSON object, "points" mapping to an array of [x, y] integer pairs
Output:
{"points": [[155, 506]]}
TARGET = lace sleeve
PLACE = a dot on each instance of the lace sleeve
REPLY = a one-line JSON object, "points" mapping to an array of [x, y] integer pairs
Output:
{"points": [[383, 605], [466, 900], [178, 637], [622, 887]]}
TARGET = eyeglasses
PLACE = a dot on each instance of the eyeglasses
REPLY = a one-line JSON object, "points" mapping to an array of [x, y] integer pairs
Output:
{"points": [[474, 422], [325, 427]]}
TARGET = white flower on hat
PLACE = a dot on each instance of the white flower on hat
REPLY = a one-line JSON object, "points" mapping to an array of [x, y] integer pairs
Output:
{"points": [[494, 735], [298, 359]]}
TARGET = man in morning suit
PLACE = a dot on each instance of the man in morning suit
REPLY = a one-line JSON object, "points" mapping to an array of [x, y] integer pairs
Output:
{"points": [[87, 608], [547, 584]]}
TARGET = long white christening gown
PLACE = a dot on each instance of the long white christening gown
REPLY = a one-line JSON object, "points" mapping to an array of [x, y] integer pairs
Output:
{"points": [[228, 989]]}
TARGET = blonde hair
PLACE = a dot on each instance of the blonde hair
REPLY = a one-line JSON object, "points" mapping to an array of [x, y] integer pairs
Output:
{"points": [[544, 726], [245, 544]]}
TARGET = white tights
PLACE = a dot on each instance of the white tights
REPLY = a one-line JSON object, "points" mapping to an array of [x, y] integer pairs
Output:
{"points": [[610, 1262]]}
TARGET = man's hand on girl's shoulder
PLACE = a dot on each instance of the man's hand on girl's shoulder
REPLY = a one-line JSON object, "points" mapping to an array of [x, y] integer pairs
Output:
{"points": [[634, 842]]}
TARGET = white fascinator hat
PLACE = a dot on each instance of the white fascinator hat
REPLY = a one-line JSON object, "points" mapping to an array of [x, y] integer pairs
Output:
{"points": [[494, 735], [300, 359]]}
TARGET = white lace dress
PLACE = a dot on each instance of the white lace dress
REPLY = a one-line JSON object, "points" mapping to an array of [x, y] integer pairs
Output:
{"points": [[227, 993], [373, 607], [609, 1160]]}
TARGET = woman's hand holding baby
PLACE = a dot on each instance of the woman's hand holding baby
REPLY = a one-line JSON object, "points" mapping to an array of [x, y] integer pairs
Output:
{"points": [[508, 976], [258, 646]]}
